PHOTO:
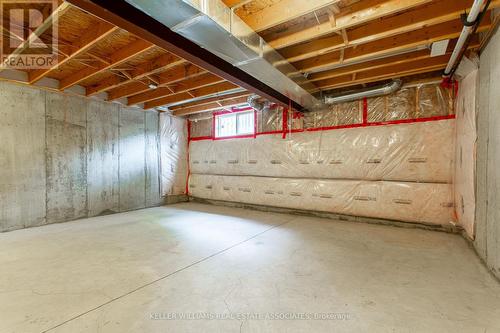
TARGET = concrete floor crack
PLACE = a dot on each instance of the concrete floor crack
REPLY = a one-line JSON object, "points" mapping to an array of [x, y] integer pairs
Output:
{"points": [[166, 276]]}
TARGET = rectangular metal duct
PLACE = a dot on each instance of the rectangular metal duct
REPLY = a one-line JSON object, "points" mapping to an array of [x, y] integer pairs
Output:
{"points": [[213, 26]]}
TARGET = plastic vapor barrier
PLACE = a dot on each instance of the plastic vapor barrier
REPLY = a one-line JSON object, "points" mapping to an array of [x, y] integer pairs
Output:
{"points": [[402, 201], [389, 157], [465, 167], [418, 152], [410, 103], [423, 101], [174, 143], [270, 121], [338, 114]]}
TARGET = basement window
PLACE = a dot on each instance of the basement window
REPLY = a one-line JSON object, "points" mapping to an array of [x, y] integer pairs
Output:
{"points": [[235, 124]]}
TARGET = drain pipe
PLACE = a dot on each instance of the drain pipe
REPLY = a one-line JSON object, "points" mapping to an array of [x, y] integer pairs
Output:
{"points": [[470, 27], [372, 92]]}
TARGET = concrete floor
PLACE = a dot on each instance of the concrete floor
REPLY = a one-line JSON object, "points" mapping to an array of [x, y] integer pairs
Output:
{"points": [[131, 272]]}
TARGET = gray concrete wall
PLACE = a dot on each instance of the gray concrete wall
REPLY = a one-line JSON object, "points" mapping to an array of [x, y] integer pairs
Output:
{"points": [[103, 182], [487, 238], [132, 160], [22, 158], [151, 124], [64, 157], [66, 146]]}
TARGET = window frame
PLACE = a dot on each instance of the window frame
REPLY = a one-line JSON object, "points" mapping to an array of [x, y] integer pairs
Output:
{"points": [[233, 111]]}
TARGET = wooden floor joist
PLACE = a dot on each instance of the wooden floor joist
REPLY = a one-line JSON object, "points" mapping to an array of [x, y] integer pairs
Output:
{"points": [[434, 13], [221, 102], [161, 63], [369, 65], [183, 86], [394, 71], [399, 43], [123, 55], [179, 73], [283, 11], [180, 96], [385, 62], [360, 13], [61, 10], [335, 43], [99, 32], [210, 100]]}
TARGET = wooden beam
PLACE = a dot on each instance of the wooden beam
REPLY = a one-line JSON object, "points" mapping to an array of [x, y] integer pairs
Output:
{"points": [[359, 13], [235, 3], [210, 100], [40, 30], [137, 22], [283, 11], [238, 3], [384, 62], [176, 74], [394, 71], [161, 63], [129, 89], [183, 86], [431, 14], [117, 58], [388, 46], [182, 96], [179, 73], [213, 106], [94, 35], [369, 65]]}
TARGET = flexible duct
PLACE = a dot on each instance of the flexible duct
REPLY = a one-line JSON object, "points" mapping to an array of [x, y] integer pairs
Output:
{"points": [[253, 101], [373, 92]]}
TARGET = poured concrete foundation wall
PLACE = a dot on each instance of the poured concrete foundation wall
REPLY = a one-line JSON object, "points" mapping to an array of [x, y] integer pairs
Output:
{"points": [[64, 157], [487, 240]]}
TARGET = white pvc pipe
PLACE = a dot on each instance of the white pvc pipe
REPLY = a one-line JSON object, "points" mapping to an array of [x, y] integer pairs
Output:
{"points": [[466, 31]]}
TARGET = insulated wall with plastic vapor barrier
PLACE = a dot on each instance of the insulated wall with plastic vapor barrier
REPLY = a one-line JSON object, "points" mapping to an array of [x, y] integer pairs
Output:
{"points": [[174, 151], [401, 201], [421, 101], [419, 152], [337, 115], [390, 157], [465, 166]]}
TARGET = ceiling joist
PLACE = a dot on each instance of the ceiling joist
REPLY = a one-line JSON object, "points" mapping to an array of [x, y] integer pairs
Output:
{"points": [[84, 44], [161, 63], [392, 45], [434, 13], [119, 57], [189, 94], [360, 13], [336, 43], [211, 104], [283, 11], [61, 10], [389, 72], [183, 86]]}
